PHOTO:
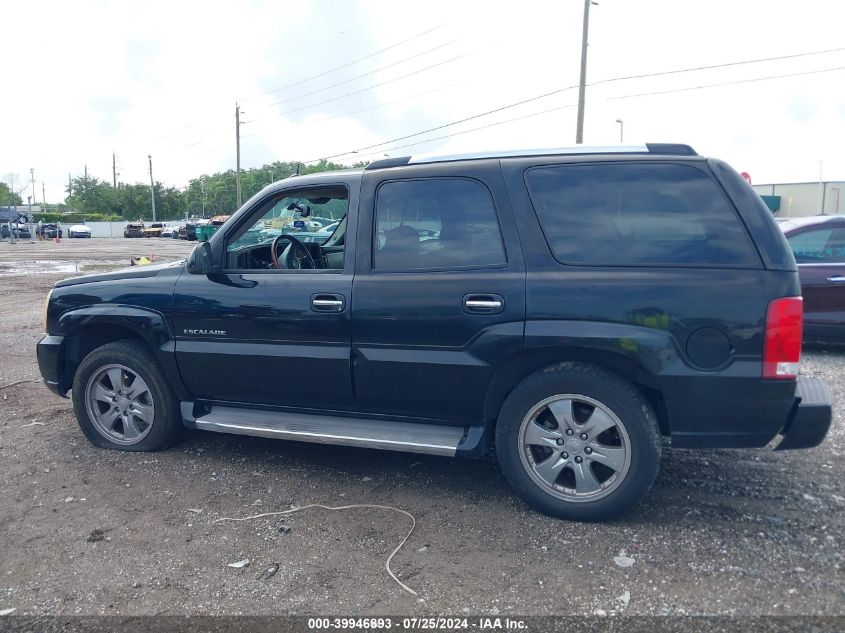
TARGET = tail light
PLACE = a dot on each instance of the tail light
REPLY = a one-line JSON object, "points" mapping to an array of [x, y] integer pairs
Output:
{"points": [[782, 344]]}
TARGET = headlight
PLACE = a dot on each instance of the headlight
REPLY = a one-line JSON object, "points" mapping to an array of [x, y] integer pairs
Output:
{"points": [[46, 306]]}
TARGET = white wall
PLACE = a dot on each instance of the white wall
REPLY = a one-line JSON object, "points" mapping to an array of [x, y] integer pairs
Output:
{"points": [[100, 229], [802, 198]]}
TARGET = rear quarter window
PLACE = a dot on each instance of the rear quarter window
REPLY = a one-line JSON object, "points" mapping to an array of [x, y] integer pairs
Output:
{"points": [[638, 214]]}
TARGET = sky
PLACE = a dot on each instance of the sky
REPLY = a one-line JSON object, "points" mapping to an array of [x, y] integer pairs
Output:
{"points": [[345, 78]]}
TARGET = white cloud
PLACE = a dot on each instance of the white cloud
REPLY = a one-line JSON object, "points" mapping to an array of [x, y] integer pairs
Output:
{"points": [[162, 78]]}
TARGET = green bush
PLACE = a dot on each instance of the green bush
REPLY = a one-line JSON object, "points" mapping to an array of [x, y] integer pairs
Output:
{"points": [[76, 218]]}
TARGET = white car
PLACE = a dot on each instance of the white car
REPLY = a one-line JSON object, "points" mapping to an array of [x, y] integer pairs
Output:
{"points": [[78, 230], [328, 229]]}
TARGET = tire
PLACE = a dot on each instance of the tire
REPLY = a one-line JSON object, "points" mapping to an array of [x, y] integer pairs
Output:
{"points": [[153, 420], [561, 474]]}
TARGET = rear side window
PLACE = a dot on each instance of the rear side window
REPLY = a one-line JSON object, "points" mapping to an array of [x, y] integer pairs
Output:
{"points": [[818, 246], [643, 214], [436, 223]]}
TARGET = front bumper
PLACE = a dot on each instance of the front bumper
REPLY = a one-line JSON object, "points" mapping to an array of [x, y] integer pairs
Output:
{"points": [[48, 352], [811, 415]]}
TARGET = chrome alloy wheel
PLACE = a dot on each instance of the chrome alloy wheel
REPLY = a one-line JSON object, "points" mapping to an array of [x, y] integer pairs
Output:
{"points": [[119, 404], [574, 447]]}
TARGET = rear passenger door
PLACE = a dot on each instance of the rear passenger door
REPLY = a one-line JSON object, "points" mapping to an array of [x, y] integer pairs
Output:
{"points": [[438, 297]]}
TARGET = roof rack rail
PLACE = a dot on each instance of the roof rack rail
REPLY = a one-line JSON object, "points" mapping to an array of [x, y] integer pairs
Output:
{"points": [[675, 149]]}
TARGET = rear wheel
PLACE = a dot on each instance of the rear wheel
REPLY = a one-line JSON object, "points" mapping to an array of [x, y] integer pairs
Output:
{"points": [[578, 442], [122, 400]]}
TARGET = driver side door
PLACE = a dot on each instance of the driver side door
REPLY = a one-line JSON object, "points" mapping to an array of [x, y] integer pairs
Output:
{"points": [[268, 337]]}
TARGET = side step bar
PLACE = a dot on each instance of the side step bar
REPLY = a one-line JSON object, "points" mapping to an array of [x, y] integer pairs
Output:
{"points": [[395, 436]]}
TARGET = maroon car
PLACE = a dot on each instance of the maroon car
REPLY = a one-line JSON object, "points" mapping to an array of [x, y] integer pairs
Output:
{"points": [[818, 243]]}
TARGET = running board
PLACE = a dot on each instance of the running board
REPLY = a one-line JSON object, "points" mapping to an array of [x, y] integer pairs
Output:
{"points": [[322, 429]]}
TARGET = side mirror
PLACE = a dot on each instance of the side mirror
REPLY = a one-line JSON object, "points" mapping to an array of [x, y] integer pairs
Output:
{"points": [[201, 260]]}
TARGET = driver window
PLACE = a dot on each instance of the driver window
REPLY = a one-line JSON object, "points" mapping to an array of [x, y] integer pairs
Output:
{"points": [[300, 230]]}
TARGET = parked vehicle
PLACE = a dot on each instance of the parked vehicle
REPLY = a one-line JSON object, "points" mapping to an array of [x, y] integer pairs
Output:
{"points": [[567, 308], [328, 229], [19, 230], [168, 230], [818, 244], [174, 231], [154, 229], [79, 230], [134, 229], [49, 231]]}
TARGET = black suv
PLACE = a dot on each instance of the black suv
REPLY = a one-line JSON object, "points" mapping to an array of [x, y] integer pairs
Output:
{"points": [[567, 308], [49, 231]]}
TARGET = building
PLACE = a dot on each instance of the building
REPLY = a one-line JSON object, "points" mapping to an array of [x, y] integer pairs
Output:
{"points": [[797, 199]]}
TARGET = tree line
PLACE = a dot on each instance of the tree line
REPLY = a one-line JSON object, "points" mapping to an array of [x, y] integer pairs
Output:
{"points": [[205, 196]]}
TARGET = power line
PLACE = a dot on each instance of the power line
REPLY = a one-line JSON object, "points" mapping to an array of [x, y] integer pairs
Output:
{"points": [[378, 106], [595, 83], [348, 64], [351, 79], [604, 81], [368, 88], [723, 65], [475, 129], [387, 149], [181, 129], [728, 83]]}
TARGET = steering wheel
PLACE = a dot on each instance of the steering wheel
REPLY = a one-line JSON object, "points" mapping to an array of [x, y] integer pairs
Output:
{"points": [[289, 257]]}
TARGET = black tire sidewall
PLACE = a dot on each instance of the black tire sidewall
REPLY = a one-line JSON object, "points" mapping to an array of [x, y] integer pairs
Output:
{"points": [[616, 394], [167, 419]]}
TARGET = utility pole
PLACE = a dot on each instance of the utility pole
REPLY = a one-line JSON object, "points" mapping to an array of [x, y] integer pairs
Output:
{"points": [[69, 189], [43, 195], [32, 180], [29, 200], [114, 170], [86, 173], [202, 191], [152, 188], [238, 152], [582, 86]]}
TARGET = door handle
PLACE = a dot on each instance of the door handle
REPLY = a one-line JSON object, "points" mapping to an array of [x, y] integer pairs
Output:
{"points": [[837, 279], [483, 303], [327, 303]]}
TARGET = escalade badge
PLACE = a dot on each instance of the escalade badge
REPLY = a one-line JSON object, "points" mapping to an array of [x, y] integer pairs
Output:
{"points": [[205, 332]]}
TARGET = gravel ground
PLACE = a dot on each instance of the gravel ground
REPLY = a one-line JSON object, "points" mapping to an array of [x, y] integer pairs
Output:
{"points": [[88, 531]]}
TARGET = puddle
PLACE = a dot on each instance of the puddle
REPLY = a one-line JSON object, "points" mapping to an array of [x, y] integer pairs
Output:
{"points": [[57, 267]]}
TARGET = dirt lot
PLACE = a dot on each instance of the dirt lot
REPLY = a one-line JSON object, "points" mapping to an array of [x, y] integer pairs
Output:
{"points": [[722, 532]]}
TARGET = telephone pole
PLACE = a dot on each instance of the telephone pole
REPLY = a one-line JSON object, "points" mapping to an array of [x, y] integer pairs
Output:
{"points": [[86, 173], [114, 169], [238, 152], [152, 188], [43, 195], [32, 180], [582, 86]]}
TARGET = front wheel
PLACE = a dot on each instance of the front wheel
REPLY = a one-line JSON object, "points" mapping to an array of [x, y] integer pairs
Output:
{"points": [[578, 442], [122, 400]]}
